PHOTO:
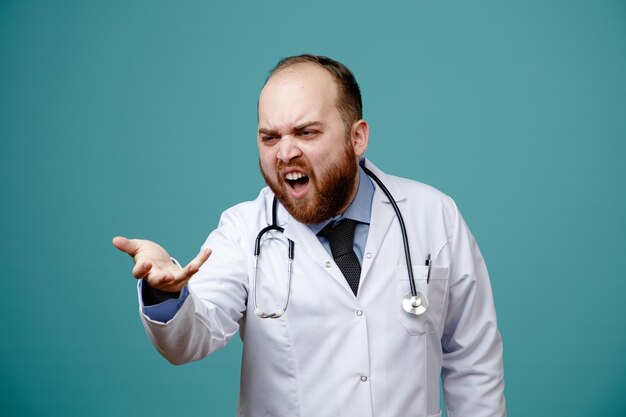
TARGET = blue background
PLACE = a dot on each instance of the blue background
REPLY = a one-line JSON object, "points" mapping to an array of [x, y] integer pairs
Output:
{"points": [[138, 118]]}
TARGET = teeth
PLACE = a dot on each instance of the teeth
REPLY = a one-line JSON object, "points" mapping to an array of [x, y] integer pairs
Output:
{"points": [[292, 176]]}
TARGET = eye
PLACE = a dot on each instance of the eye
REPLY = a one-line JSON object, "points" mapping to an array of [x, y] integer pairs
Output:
{"points": [[307, 133], [267, 138]]}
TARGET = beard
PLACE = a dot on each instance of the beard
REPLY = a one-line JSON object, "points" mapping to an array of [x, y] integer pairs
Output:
{"points": [[331, 185]]}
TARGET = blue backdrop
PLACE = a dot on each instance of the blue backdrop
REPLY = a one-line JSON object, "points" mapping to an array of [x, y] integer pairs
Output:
{"points": [[139, 118]]}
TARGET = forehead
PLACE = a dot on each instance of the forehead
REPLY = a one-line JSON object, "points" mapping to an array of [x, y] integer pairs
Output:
{"points": [[298, 93]]}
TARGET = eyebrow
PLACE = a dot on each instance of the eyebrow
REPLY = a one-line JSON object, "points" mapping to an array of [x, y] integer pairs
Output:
{"points": [[297, 128]]}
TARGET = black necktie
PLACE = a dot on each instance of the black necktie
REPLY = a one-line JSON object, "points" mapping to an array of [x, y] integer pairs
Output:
{"points": [[341, 237]]}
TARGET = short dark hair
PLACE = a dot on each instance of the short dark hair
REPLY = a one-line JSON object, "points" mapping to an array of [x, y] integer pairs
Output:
{"points": [[349, 94]]}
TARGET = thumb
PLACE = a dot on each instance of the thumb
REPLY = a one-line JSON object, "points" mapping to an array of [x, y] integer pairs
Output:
{"points": [[129, 246]]}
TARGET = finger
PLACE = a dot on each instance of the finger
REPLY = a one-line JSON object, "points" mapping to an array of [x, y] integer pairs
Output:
{"points": [[162, 281], [129, 246], [142, 269], [192, 267]]}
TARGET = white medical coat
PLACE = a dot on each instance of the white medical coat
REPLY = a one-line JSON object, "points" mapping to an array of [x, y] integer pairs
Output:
{"points": [[333, 354]]}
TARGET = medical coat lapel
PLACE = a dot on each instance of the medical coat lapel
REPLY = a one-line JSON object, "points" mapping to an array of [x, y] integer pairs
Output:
{"points": [[382, 218]]}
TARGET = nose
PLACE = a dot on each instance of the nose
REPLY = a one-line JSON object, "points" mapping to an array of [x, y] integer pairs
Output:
{"points": [[288, 149]]}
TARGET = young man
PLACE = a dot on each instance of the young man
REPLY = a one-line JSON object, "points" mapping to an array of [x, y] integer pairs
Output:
{"points": [[332, 333]]}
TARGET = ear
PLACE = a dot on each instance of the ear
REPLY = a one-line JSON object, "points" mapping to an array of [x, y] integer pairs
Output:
{"points": [[360, 135]]}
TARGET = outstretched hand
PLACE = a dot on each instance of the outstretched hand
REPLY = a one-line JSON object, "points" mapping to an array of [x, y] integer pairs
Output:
{"points": [[154, 265]]}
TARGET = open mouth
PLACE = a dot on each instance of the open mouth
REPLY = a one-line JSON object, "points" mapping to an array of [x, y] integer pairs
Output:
{"points": [[298, 182]]}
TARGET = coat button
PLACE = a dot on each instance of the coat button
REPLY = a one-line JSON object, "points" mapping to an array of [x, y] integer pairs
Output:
{"points": [[359, 312], [368, 255], [327, 264], [363, 378]]}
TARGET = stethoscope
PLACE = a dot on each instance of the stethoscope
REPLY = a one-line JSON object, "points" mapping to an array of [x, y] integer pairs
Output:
{"points": [[413, 302]]}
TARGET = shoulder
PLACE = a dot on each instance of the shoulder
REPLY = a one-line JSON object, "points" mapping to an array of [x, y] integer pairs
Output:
{"points": [[405, 188], [417, 189], [416, 192], [423, 201], [239, 224], [249, 211]]}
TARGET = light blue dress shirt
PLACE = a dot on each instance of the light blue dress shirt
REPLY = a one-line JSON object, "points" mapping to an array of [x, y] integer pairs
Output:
{"points": [[360, 210]]}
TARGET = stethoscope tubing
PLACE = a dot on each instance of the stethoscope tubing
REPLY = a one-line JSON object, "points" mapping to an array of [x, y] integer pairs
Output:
{"points": [[405, 239], [273, 226], [257, 251]]}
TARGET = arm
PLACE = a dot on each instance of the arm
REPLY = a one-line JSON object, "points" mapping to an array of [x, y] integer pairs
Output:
{"points": [[208, 316], [473, 376]]}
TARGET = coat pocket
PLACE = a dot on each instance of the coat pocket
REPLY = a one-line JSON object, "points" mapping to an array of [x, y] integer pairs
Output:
{"points": [[436, 291]]}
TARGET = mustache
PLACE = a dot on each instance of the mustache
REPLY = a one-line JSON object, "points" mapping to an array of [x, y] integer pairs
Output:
{"points": [[298, 164]]}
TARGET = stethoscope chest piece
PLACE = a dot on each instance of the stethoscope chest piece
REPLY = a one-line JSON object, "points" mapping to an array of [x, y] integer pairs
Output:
{"points": [[415, 304]]}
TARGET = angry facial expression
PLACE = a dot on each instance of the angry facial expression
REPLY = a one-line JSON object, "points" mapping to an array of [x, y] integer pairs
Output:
{"points": [[306, 155]]}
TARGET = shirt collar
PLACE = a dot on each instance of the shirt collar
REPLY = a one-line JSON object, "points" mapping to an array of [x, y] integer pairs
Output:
{"points": [[359, 209]]}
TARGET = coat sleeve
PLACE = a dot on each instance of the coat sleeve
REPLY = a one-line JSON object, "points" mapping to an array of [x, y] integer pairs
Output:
{"points": [[472, 375], [209, 316]]}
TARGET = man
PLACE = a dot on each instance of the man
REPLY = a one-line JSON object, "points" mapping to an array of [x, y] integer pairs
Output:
{"points": [[330, 336]]}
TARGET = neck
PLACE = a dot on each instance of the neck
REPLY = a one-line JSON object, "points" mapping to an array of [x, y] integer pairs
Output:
{"points": [[355, 187]]}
